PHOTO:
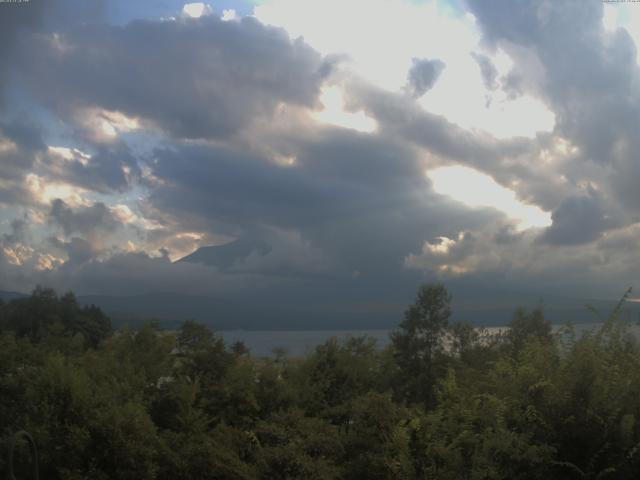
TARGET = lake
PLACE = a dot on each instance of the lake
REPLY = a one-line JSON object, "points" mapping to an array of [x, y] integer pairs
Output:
{"points": [[300, 342], [295, 342]]}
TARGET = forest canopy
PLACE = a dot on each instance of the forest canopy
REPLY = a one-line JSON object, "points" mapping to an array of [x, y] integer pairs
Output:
{"points": [[442, 401]]}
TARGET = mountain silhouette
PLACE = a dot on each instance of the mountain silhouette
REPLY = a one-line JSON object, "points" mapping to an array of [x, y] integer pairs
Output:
{"points": [[226, 255]]}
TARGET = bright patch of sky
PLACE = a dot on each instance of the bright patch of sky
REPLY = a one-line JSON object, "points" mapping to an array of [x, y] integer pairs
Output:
{"points": [[429, 30], [621, 15], [121, 12], [461, 97], [334, 112], [196, 10], [477, 189]]}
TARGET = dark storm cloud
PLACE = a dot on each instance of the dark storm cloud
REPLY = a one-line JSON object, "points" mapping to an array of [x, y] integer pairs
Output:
{"points": [[361, 205], [194, 78], [78, 250], [15, 18], [138, 273], [423, 75], [338, 176], [18, 20], [83, 219], [20, 142], [579, 220], [19, 232]]}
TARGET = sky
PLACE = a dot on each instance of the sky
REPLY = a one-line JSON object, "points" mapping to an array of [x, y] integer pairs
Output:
{"points": [[358, 148]]}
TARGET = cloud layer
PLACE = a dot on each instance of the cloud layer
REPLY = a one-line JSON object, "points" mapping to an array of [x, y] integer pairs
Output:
{"points": [[126, 146]]}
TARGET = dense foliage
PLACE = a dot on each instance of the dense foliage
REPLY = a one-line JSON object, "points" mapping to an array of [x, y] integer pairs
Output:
{"points": [[442, 401]]}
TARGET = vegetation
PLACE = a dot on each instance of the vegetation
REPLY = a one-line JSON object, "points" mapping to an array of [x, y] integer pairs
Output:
{"points": [[441, 402]]}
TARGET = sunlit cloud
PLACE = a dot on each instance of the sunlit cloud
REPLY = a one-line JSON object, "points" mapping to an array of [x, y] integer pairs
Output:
{"points": [[334, 112], [47, 261], [18, 254], [196, 10], [284, 160], [436, 255], [123, 213], [182, 244], [105, 126], [70, 154], [7, 146], [476, 189], [45, 191], [229, 15], [443, 246]]}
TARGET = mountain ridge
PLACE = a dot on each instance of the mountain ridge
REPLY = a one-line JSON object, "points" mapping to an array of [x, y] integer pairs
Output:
{"points": [[232, 314]]}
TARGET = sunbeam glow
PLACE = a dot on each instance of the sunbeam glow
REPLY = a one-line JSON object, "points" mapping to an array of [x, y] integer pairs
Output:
{"points": [[476, 189]]}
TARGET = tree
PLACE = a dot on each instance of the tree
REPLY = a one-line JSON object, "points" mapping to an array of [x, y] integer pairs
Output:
{"points": [[525, 326], [194, 337], [377, 442], [205, 359], [419, 339], [44, 316], [295, 446], [239, 349]]}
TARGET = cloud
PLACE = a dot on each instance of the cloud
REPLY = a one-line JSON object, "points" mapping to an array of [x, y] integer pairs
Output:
{"points": [[138, 273], [578, 220], [196, 10], [171, 134], [488, 70], [192, 78], [266, 251], [20, 143], [109, 169], [14, 19], [339, 192], [84, 219], [78, 250], [423, 75], [19, 232], [585, 73]]}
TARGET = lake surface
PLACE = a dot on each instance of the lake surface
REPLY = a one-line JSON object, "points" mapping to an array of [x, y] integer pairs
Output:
{"points": [[300, 342], [296, 343]]}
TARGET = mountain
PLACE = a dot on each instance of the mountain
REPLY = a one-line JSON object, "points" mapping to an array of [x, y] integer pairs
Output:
{"points": [[337, 303], [8, 296], [222, 314], [278, 312], [224, 256], [488, 309]]}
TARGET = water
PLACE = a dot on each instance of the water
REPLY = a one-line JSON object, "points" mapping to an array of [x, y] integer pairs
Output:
{"points": [[296, 342], [301, 342]]}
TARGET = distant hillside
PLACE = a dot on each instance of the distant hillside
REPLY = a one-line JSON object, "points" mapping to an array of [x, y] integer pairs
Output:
{"points": [[171, 309], [8, 296], [278, 313], [488, 310]]}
